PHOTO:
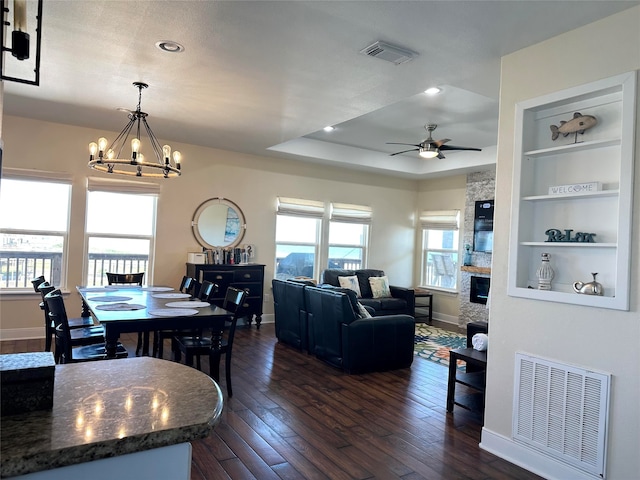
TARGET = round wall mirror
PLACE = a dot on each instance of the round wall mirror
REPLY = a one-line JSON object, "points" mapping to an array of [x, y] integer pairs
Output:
{"points": [[218, 222]]}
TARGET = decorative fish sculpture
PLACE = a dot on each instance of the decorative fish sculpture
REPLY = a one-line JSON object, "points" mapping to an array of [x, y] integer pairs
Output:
{"points": [[578, 124]]}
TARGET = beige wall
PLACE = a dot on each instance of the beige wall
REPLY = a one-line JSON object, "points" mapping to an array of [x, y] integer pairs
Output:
{"points": [[252, 182], [604, 340], [446, 193]]}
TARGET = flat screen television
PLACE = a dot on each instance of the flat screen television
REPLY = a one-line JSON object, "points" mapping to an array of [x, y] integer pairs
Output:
{"points": [[483, 226]]}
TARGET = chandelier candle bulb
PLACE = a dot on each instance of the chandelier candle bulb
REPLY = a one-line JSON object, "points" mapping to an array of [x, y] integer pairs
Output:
{"points": [[20, 15], [135, 148]]}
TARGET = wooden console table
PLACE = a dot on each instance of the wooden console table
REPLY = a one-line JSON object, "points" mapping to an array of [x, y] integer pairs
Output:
{"points": [[475, 380]]}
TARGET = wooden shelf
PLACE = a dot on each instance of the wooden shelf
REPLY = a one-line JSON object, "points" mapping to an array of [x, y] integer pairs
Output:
{"points": [[472, 269]]}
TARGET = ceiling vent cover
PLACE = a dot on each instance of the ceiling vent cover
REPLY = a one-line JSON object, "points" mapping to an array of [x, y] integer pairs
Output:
{"points": [[384, 51]]}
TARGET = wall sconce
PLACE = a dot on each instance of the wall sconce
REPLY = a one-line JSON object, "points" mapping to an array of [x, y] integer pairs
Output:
{"points": [[21, 34]]}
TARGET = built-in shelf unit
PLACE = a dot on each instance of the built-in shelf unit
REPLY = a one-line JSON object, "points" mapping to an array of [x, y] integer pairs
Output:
{"points": [[604, 154]]}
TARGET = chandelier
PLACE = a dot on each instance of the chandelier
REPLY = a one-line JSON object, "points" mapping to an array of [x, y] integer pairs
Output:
{"points": [[109, 159]]}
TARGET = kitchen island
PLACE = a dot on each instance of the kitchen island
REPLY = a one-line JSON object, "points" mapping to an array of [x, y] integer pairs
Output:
{"points": [[133, 415]]}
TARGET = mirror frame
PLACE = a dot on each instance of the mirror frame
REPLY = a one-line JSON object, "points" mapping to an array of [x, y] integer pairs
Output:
{"points": [[217, 201]]}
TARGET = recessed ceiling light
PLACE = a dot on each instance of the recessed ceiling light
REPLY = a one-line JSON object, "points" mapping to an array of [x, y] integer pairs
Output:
{"points": [[170, 46], [329, 128], [432, 91]]}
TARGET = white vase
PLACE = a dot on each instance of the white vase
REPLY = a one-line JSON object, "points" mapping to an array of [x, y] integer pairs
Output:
{"points": [[545, 273]]}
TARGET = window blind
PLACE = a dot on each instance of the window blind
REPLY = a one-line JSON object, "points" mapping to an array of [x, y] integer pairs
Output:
{"points": [[345, 212], [440, 219], [300, 207], [24, 174], [96, 184]]}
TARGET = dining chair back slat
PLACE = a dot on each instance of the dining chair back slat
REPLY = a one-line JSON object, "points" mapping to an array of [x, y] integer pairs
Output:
{"points": [[125, 278], [36, 282]]}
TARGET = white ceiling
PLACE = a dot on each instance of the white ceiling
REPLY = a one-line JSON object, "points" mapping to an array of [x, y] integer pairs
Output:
{"points": [[264, 77]]}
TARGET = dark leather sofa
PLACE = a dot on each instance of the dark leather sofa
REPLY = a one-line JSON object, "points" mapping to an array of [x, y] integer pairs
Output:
{"points": [[323, 321], [402, 300]]}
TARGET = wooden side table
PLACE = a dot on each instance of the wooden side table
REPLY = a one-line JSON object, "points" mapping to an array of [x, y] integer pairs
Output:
{"points": [[475, 380], [423, 310]]}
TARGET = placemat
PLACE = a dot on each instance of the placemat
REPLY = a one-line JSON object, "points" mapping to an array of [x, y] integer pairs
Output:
{"points": [[120, 306], [157, 289], [171, 295], [109, 298], [173, 312], [188, 304]]}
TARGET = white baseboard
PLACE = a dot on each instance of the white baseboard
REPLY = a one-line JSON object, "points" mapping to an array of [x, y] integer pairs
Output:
{"points": [[21, 333], [441, 317], [529, 459]]}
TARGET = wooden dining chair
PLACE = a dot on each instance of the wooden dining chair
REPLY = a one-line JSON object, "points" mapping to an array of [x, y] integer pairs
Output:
{"points": [[75, 323], [195, 346], [68, 348], [131, 279], [207, 289]]}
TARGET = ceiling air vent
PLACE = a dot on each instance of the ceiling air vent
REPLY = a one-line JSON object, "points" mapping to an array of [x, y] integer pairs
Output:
{"points": [[384, 51]]}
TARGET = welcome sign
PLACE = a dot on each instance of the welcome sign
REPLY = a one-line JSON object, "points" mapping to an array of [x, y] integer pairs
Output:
{"points": [[575, 188]]}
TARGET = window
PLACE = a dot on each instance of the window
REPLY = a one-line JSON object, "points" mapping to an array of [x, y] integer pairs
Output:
{"points": [[348, 236], [298, 224], [440, 249], [120, 228], [34, 227], [301, 246]]}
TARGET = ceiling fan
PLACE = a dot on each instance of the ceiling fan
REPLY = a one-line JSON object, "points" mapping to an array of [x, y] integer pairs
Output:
{"points": [[431, 148]]}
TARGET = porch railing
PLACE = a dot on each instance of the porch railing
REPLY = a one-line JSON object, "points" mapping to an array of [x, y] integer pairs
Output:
{"points": [[18, 268]]}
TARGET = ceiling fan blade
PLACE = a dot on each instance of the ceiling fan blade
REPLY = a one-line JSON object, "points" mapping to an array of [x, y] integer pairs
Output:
{"points": [[453, 147], [411, 144], [404, 151], [440, 155], [439, 143]]}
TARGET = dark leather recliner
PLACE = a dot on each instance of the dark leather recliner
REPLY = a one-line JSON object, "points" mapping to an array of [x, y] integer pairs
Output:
{"points": [[402, 300], [357, 345], [290, 313]]}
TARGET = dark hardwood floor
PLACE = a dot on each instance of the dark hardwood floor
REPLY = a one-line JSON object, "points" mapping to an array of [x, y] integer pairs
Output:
{"points": [[294, 417]]}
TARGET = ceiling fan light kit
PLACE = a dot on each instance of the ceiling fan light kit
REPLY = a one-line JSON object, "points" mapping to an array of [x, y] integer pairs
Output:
{"points": [[430, 148], [429, 151], [108, 160]]}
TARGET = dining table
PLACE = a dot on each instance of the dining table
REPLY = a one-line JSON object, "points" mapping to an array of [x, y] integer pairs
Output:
{"points": [[132, 308]]}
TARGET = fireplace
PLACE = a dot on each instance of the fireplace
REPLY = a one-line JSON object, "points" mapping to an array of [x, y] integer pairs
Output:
{"points": [[479, 289]]}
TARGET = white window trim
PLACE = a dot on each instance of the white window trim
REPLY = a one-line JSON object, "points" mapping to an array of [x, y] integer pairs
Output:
{"points": [[96, 184], [443, 220], [44, 177]]}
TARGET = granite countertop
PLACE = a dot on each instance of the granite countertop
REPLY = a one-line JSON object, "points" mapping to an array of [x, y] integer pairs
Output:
{"points": [[108, 408]]}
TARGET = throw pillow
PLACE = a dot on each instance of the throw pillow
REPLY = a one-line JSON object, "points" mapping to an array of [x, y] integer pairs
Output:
{"points": [[364, 313], [380, 287], [351, 283]]}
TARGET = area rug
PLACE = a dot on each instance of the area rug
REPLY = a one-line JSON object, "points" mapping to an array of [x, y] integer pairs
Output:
{"points": [[433, 343]]}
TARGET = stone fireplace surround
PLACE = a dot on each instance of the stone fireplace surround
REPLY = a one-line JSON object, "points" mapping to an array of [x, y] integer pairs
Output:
{"points": [[480, 186]]}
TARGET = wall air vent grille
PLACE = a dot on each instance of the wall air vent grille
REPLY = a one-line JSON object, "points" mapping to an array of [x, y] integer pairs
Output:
{"points": [[562, 411], [389, 53]]}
